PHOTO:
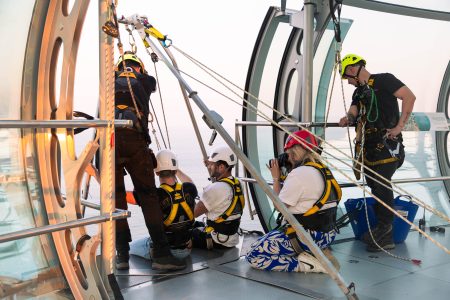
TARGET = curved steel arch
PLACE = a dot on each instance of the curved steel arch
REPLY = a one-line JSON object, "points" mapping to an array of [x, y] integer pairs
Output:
{"points": [[291, 63], [54, 36], [442, 137]]}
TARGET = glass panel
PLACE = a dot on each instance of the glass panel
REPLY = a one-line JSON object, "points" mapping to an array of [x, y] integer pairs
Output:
{"points": [[267, 94], [380, 46], [28, 267], [13, 15], [291, 93], [439, 5]]}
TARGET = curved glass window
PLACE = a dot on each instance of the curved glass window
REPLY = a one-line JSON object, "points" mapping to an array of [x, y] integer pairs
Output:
{"points": [[389, 43], [383, 53], [29, 263], [439, 5]]}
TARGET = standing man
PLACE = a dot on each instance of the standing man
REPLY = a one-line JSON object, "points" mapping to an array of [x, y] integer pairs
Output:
{"points": [[222, 202], [375, 108], [133, 87]]}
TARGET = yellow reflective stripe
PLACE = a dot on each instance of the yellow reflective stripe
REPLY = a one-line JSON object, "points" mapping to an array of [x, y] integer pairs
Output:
{"points": [[219, 220], [237, 196], [167, 188], [328, 182], [381, 161], [172, 215], [323, 199], [177, 195], [242, 199], [127, 74], [120, 106], [188, 210], [208, 229], [338, 189], [233, 202], [289, 230]]}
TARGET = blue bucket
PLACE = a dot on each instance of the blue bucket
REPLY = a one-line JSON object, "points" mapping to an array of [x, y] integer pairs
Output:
{"points": [[357, 212]]}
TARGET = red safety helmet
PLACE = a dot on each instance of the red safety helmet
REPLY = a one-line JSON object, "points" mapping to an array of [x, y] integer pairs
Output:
{"points": [[308, 140]]}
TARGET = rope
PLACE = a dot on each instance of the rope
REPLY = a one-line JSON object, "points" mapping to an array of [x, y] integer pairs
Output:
{"points": [[402, 191], [110, 133], [252, 107], [373, 101], [416, 200], [338, 59], [329, 98], [162, 108], [132, 42]]}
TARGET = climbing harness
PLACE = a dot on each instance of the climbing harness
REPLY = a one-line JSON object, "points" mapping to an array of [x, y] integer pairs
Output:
{"points": [[222, 225], [154, 58], [133, 46], [178, 223], [177, 199], [106, 28], [322, 215], [267, 118]]}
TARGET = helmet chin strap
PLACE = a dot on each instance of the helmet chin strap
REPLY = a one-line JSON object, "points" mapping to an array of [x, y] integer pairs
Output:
{"points": [[356, 77]]}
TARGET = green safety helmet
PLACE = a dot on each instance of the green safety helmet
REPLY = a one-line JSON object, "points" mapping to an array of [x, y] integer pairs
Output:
{"points": [[130, 56], [350, 60]]}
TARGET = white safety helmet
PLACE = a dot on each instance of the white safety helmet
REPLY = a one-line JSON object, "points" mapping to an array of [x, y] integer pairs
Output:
{"points": [[167, 160], [223, 153]]}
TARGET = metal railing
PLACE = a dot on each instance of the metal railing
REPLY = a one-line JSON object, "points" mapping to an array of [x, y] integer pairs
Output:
{"points": [[20, 234], [351, 184], [62, 123]]}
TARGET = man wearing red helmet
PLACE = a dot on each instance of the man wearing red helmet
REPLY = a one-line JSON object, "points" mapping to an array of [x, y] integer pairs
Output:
{"points": [[311, 194], [375, 108]]}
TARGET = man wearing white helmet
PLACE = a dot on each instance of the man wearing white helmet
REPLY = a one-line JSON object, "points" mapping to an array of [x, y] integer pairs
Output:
{"points": [[177, 201], [222, 202]]}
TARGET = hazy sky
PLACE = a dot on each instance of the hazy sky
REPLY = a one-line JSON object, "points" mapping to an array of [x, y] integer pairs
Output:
{"points": [[222, 35]]}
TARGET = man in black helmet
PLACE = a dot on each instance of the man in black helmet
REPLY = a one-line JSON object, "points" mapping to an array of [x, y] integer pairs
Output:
{"points": [[374, 104], [134, 155]]}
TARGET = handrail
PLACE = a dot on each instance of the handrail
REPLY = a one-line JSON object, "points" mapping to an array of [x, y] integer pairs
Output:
{"points": [[351, 184], [286, 124], [303, 235], [20, 234], [62, 123], [90, 204]]}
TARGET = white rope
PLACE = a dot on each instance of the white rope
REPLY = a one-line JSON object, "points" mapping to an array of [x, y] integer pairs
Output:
{"points": [[402, 191], [326, 160], [414, 199]]}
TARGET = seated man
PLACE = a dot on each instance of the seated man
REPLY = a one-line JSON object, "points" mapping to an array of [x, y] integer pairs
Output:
{"points": [[177, 202], [222, 202], [311, 194]]}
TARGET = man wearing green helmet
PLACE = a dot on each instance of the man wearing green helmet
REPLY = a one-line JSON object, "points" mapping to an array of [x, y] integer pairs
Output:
{"points": [[375, 108]]}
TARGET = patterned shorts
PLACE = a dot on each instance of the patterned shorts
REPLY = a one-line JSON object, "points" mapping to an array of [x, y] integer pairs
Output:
{"points": [[274, 251]]}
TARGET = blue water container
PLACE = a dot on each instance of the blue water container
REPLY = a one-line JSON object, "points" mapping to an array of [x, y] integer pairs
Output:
{"points": [[358, 220]]}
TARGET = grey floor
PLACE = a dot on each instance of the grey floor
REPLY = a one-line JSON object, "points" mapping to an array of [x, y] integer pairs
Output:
{"points": [[226, 275]]}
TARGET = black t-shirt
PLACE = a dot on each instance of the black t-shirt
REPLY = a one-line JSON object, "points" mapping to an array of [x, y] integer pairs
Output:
{"points": [[384, 85], [143, 85], [189, 191]]}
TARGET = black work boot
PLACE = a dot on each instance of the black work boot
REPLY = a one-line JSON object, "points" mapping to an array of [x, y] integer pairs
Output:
{"points": [[166, 262], [387, 243], [122, 259], [382, 235], [378, 232]]}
